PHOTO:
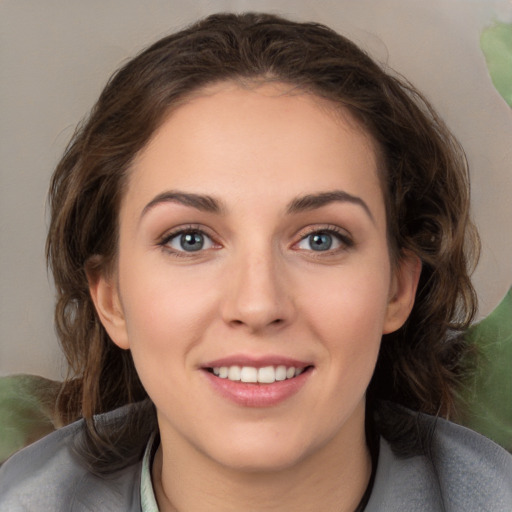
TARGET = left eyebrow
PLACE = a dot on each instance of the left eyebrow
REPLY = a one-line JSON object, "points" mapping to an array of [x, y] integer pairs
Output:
{"points": [[314, 201]]}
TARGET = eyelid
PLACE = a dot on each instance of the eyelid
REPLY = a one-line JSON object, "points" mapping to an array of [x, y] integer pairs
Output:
{"points": [[344, 237], [163, 241]]}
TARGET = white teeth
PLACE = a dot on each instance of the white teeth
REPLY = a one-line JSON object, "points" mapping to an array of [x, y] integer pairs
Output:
{"points": [[234, 372], [250, 374], [267, 375], [281, 373]]}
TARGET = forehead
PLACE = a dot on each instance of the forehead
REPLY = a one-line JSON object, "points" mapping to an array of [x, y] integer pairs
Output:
{"points": [[233, 139]]}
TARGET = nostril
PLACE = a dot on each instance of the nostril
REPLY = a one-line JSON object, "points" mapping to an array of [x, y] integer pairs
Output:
{"points": [[238, 323]]}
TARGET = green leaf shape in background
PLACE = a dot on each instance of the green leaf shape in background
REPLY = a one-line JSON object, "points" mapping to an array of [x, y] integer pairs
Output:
{"points": [[488, 401], [496, 44], [27, 411]]}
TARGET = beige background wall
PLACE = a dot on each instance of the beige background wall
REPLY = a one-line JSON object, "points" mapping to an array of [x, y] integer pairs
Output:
{"points": [[55, 56]]}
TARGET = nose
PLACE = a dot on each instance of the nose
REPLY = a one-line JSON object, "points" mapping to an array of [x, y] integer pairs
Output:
{"points": [[257, 295]]}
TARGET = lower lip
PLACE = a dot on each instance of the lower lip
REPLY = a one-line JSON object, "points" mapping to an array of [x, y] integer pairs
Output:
{"points": [[257, 395]]}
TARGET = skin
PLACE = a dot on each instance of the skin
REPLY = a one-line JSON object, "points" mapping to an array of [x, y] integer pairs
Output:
{"points": [[258, 289]]}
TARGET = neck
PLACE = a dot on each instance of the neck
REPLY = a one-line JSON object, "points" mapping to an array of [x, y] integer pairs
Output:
{"points": [[334, 478]]}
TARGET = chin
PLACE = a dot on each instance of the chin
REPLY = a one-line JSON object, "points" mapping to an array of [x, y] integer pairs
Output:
{"points": [[258, 453]]}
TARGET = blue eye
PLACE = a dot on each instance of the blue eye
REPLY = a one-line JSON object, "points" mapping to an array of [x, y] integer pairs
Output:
{"points": [[322, 241], [189, 241]]}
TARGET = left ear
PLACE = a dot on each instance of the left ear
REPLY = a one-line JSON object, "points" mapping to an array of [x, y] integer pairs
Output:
{"points": [[403, 291]]}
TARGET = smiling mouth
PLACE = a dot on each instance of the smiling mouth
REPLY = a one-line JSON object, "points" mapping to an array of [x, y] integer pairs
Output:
{"points": [[253, 375]]}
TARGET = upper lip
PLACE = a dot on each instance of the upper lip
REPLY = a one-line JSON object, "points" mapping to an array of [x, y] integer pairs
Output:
{"points": [[256, 361]]}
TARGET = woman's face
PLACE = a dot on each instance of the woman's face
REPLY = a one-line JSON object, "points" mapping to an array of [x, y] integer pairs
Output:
{"points": [[253, 246]]}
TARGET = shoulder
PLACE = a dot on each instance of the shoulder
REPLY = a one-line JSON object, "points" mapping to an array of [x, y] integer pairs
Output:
{"points": [[457, 471], [48, 475], [474, 473]]}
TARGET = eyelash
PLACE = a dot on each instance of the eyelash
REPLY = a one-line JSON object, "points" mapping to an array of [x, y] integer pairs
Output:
{"points": [[164, 242], [344, 239], [341, 236]]}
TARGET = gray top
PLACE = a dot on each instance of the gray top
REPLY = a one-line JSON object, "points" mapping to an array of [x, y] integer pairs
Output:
{"points": [[464, 472]]}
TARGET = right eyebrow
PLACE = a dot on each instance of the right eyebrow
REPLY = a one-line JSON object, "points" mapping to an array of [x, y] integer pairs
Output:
{"points": [[201, 202]]}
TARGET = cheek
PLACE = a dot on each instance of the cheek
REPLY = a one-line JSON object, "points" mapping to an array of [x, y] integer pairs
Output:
{"points": [[344, 313], [347, 312], [159, 312], [351, 302], [165, 312], [165, 321]]}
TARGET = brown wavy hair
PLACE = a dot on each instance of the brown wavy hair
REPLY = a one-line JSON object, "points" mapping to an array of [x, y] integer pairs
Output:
{"points": [[424, 176]]}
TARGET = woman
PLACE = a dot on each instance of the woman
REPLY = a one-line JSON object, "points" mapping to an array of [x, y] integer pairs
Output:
{"points": [[261, 246]]}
